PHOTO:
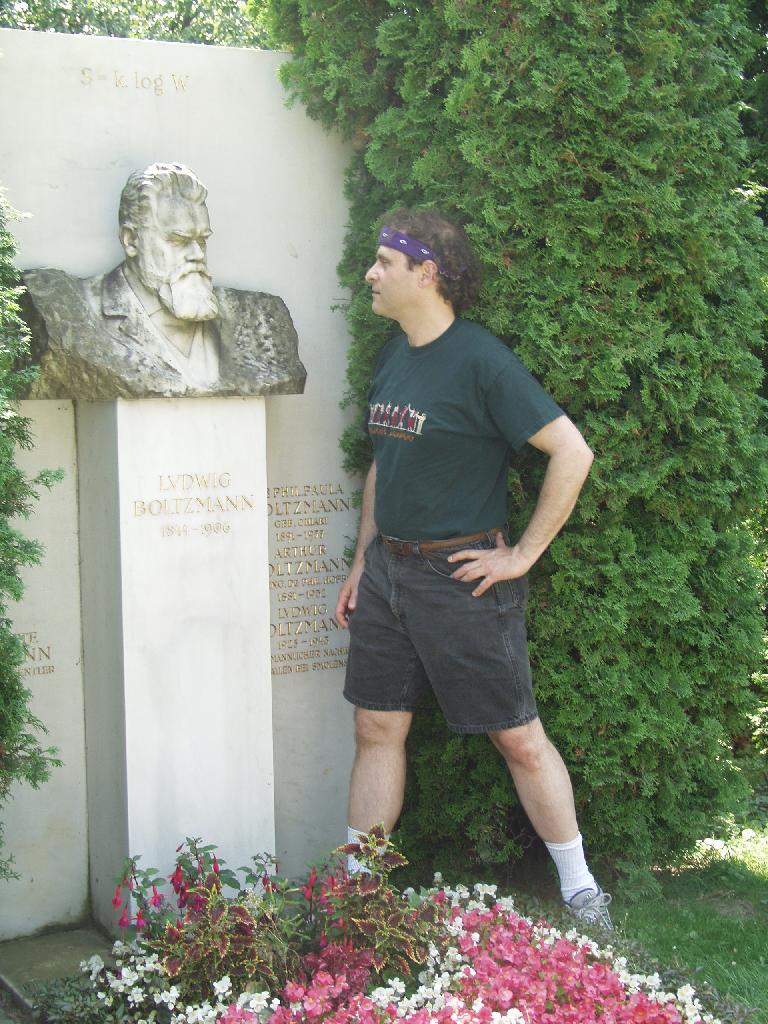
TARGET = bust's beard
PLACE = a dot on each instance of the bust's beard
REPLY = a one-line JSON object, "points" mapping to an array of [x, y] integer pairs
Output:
{"points": [[190, 296]]}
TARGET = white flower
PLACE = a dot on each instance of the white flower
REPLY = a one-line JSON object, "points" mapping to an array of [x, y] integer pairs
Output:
{"points": [[381, 996], [481, 890], [92, 966], [222, 986], [258, 1001]]}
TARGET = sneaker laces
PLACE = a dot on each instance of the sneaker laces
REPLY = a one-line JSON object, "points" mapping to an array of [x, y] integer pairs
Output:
{"points": [[592, 907]]}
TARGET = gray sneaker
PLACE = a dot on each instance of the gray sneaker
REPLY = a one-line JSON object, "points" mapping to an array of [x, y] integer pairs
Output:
{"points": [[592, 907]]}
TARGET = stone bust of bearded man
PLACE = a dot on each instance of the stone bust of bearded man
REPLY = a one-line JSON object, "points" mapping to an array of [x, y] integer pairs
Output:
{"points": [[155, 325]]}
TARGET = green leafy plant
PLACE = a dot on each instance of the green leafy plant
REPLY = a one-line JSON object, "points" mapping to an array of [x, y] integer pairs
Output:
{"points": [[22, 757], [246, 936], [595, 152], [241, 939], [218, 22], [365, 911]]}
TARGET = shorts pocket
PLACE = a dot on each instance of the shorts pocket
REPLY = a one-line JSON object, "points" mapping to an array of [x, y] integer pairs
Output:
{"points": [[445, 569], [511, 594]]}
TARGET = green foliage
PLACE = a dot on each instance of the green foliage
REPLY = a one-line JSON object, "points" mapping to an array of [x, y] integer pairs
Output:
{"points": [[22, 759], [220, 22], [241, 939], [245, 936], [710, 919], [755, 112], [366, 912], [70, 1000], [265, 934], [595, 151]]}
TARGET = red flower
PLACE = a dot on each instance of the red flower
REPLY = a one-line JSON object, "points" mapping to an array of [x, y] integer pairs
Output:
{"points": [[215, 864], [116, 900], [125, 920], [307, 891], [140, 922], [156, 899]]}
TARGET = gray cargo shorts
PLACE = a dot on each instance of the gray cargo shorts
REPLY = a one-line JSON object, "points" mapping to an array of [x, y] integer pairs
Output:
{"points": [[415, 627]]}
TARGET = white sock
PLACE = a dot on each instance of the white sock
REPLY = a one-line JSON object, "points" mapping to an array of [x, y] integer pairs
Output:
{"points": [[354, 867], [571, 867]]}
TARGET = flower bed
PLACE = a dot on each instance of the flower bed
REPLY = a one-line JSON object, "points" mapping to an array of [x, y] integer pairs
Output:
{"points": [[343, 950]]}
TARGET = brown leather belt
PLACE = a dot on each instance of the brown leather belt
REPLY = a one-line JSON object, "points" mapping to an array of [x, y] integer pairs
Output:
{"points": [[417, 548]]}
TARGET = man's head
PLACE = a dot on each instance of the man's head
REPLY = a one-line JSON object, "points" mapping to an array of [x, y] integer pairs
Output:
{"points": [[422, 251], [164, 229]]}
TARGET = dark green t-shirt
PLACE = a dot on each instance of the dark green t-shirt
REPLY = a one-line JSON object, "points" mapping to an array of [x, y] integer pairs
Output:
{"points": [[443, 419]]}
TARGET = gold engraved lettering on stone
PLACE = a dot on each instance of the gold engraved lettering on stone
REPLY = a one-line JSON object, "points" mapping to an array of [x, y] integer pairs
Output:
{"points": [[155, 83], [180, 502], [38, 659], [198, 481], [304, 507], [305, 573], [193, 505]]}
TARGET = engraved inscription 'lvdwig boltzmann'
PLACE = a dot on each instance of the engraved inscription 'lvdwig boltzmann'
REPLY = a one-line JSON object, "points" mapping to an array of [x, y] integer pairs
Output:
{"points": [[156, 325]]}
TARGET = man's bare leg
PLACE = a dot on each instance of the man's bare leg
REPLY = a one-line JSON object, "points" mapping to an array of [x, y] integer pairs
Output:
{"points": [[545, 791], [541, 780], [378, 774]]}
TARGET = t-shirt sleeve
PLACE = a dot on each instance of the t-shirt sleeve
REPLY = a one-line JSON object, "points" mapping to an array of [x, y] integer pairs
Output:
{"points": [[518, 404]]}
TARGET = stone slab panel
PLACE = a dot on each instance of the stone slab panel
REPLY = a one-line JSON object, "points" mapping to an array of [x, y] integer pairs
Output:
{"points": [[90, 110], [193, 632], [46, 828]]}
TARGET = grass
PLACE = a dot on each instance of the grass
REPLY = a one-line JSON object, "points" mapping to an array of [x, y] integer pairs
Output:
{"points": [[711, 920]]}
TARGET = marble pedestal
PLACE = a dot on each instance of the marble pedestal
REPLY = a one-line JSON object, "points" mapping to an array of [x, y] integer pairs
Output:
{"points": [[175, 605]]}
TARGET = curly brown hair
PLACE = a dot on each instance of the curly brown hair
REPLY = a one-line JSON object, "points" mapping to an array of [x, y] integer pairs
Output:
{"points": [[459, 279]]}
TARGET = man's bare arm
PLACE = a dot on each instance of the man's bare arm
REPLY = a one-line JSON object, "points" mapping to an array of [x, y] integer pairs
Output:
{"points": [[569, 460], [348, 594]]}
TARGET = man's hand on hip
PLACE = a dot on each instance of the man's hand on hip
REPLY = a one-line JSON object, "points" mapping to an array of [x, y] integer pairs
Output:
{"points": [[490, 565], [348, 595]]}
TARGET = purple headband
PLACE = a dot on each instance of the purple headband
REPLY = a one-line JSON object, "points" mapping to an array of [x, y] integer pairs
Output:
{"points": [[412, 247]]}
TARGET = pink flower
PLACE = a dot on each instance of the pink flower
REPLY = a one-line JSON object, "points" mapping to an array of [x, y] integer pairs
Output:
{"points": [[293, 993], [140, 922], [235, 1014], [156, 899], [125, 920], [116, 899]]}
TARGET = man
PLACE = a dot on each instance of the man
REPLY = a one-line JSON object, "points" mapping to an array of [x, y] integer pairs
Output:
{"points": [[436, 593], [155, 325]]}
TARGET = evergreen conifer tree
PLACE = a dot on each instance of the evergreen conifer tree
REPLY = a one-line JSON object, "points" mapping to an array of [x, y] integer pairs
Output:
{"points": [[594, 149], [22, 758]]}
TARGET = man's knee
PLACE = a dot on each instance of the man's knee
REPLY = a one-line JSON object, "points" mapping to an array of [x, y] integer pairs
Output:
{"points": [[381, 728], [525, 746]]}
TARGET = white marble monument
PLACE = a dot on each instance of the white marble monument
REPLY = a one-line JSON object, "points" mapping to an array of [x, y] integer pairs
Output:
{"points": [[212, 518]]}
